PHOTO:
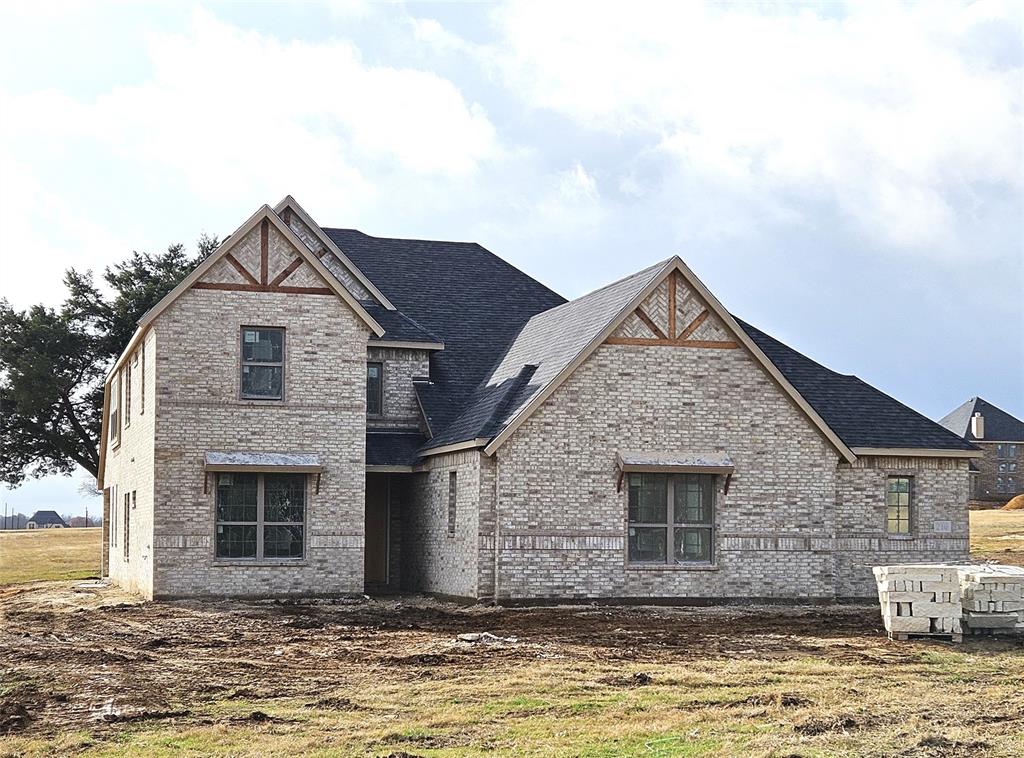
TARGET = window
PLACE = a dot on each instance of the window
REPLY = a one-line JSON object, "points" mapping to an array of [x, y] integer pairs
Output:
{"points": [[1011, 484], [375, 389], [113, 516], [1000, 452], [127, 521], [115, 415], [898, 496], [1006, 451], [262, 363], [1011, 451], [127, 394], [142, 379], [1000, 487], [260, 516], [452, 501], [671, 518]]}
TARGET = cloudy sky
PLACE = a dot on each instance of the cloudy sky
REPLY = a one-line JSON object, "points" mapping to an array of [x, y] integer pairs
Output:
{"points": [[848, 178]]}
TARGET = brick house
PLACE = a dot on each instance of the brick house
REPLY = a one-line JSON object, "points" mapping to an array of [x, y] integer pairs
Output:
{"points": [[998, 475], [317, 411]]}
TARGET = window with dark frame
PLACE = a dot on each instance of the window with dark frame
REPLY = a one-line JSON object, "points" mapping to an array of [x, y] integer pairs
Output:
{"points": [[262, 363], [113, 516], [260, 516], [671, 518], [115, 401], [127, 522], [127, 394], [453, 489], [899, 495], [142, 379], [374, 389]]}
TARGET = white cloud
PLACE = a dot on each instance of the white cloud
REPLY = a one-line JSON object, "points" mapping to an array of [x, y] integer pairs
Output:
{"points": [[887, 112], [228, 118]]}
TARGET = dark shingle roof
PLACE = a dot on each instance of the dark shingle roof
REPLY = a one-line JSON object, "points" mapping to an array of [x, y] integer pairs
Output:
{"points": [[859, 414], [1000, 426], [42, 518], [469, 297], [507, 336], [546, 345], [397, 326], [393, 448]]}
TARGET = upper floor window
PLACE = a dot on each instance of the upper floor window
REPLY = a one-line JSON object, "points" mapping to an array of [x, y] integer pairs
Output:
{"points": [[127, 394], [671, 518], [899, 491], [375, 389], [262, 363], [1006, 451], [114, 419]]}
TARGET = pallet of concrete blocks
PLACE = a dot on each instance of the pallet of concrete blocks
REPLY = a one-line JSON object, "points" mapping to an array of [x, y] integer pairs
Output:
{"points": [[920, 600], [993, 599]]}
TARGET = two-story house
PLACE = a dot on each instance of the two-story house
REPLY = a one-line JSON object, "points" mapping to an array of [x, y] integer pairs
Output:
{"points": [[998, 475], [317, 411]]}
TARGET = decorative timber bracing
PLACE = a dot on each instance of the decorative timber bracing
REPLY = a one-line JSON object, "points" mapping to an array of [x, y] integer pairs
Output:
{"points": [[675, 316]]}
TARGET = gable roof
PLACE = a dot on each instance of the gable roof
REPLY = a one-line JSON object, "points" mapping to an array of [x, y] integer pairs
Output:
{"points": [[1000, 426], [47, 517], [265, 212], [861, 415], [474, 301], [558, 341]]}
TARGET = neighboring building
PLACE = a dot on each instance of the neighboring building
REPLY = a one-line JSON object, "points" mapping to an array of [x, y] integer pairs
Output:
{"points": [[317, 411], [998, 475], [46, 520]]}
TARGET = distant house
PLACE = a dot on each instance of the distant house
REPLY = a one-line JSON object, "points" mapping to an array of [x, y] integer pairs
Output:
{"points": [[46, 520], [999, 474], [78, 522]]}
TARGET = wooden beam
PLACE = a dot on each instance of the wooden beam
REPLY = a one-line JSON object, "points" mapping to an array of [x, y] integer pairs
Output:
{"points": [[304, 290], [694, 325], [711, 344], [240, 268], [287, 272], [230, 287], [264, 249], [672, 305], [649, 323]]}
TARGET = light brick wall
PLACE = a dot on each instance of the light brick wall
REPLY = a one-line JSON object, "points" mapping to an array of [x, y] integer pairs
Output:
{"points": [[563, 523], [401, 366], [939, 500], [199, 410], [129, 468], [433, 561]]}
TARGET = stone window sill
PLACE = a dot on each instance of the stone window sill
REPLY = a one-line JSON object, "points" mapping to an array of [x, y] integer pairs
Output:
{"points": [[901, 537], [671, 567], [251, 563]]}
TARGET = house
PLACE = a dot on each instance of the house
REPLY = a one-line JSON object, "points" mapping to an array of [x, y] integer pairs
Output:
{"points": [[317, 411], [46, 520], [998, 475]]}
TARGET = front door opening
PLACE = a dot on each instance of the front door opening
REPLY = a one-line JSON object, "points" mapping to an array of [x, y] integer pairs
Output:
{"points": [[378, 518]]}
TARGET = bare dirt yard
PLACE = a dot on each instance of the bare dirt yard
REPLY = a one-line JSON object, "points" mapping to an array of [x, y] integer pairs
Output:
{"points": [[87, 669]]}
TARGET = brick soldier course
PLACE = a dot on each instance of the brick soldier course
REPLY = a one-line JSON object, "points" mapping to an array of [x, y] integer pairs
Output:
{"points": [[639, 443]]}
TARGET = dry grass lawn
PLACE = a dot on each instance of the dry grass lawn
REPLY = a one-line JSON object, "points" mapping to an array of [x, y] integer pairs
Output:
{"points": [[998, 535], [90, 670], [29, 555]]}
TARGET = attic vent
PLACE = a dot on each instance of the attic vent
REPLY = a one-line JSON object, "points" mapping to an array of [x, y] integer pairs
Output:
{"points": [[978, 426]]}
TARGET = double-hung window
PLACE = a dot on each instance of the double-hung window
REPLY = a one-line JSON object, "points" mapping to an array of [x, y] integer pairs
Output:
{"points": [[671, 518], [899, 494], [260, 516], [114, 420], [262, 363]]}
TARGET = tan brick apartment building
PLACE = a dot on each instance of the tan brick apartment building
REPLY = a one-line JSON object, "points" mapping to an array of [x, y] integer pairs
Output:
{"points": [[998, 475], [316, 411]]}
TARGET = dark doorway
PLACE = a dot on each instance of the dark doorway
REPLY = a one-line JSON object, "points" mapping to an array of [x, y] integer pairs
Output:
{"points": [[378, 518]]}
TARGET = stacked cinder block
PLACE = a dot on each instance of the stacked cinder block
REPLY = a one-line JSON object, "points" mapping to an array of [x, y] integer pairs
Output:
{"points": [[920, 600], [993, 599]]}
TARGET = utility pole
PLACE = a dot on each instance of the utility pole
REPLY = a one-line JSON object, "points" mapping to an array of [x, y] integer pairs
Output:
{"points": [[5, 515]]}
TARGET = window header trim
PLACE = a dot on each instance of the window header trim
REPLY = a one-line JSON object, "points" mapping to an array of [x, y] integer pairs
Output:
{"points": [[674, 463]]}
